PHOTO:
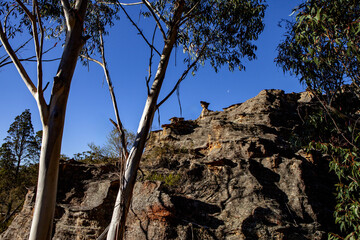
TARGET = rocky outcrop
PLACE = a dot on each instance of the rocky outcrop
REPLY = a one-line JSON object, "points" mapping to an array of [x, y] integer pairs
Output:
{"points": [[227, 175]]}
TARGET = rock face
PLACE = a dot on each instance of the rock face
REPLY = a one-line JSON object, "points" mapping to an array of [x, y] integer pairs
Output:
{"points": [[227, 175]]}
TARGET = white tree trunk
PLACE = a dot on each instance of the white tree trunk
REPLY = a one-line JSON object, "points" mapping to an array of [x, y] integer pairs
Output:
{"points": [[42, 222], [53, 119], [124, 197]]}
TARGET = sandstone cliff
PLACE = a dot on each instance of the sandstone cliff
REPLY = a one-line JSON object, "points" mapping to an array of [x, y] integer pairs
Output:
{"points": [[226, 175]]}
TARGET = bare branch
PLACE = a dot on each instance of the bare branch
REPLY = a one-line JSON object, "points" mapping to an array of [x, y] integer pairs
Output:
{"points": [[150, 63], [47, 84], [183, 76], [6, 56], [26, 10], [119, 126], [30, 85], [139, 30], [6, 18], [156, 19], [92, 59], [124, 4], [39, 50], [30, 59]]}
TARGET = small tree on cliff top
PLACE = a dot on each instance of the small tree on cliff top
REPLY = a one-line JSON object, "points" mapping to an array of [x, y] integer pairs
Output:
{"points": [[217, 31], [71, 22]]}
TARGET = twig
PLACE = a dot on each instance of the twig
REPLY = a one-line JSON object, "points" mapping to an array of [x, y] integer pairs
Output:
{"points": [[26, 10], [39, 53], [29, 60], [103, 234], [24, 75], [6, 56], [183, 76], [124, 4], [113, 98], [139, 30], [147, 4], [6, 18], [150, 63]]}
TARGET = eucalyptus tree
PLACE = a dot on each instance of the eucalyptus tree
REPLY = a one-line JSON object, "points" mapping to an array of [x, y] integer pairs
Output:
{"points": [[69, 22], [322, 48], [215, 31]]}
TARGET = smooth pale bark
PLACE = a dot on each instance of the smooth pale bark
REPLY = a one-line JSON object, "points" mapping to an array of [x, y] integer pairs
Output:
{"points": [[124, 197], [53, 125]]}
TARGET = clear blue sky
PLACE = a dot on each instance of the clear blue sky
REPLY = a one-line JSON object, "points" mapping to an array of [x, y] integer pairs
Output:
{"points": [[89, 105]]}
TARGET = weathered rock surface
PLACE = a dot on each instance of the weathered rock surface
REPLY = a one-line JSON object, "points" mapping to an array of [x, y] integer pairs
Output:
{"points": [[227, 175]]}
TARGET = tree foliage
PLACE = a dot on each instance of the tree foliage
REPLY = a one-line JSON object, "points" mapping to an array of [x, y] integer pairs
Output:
{"points": [[99, 15], [18, 157], [111, 152], [322, 48], [21, 140], [113, 146], [222, 32]]}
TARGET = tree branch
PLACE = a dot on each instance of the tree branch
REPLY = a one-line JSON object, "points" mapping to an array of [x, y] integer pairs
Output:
{"points": [[6, 18], [150, 63], [139, 30], [124, 4], [26, 10], [156, 19], [29, 59], [183, 76], [92, 59], [327, 109], [30, 85], [68, 13], [6, 56], [120, 127], [39, 54], [157, 12], [66, 6]]}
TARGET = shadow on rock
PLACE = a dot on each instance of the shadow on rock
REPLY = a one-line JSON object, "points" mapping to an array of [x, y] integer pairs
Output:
{"points": [[196, 212], [255, 226]]}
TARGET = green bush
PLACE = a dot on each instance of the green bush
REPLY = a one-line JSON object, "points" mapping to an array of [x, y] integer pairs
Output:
{"points": [[345, 162], [169, 180]]}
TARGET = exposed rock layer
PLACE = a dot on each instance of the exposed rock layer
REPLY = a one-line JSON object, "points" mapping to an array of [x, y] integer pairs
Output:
{"points": [[226, 175]]}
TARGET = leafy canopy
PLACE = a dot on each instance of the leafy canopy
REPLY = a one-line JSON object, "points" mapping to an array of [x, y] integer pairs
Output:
{"points": [[220, 31], [100, 14], [21, 139], [323, 46]]}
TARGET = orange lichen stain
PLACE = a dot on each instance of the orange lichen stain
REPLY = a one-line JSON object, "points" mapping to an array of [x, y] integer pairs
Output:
{"points": [[159, 213], [214, 145]]}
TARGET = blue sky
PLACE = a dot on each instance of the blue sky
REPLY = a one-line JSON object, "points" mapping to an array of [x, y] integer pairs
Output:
{"points": [[89, 106]]}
